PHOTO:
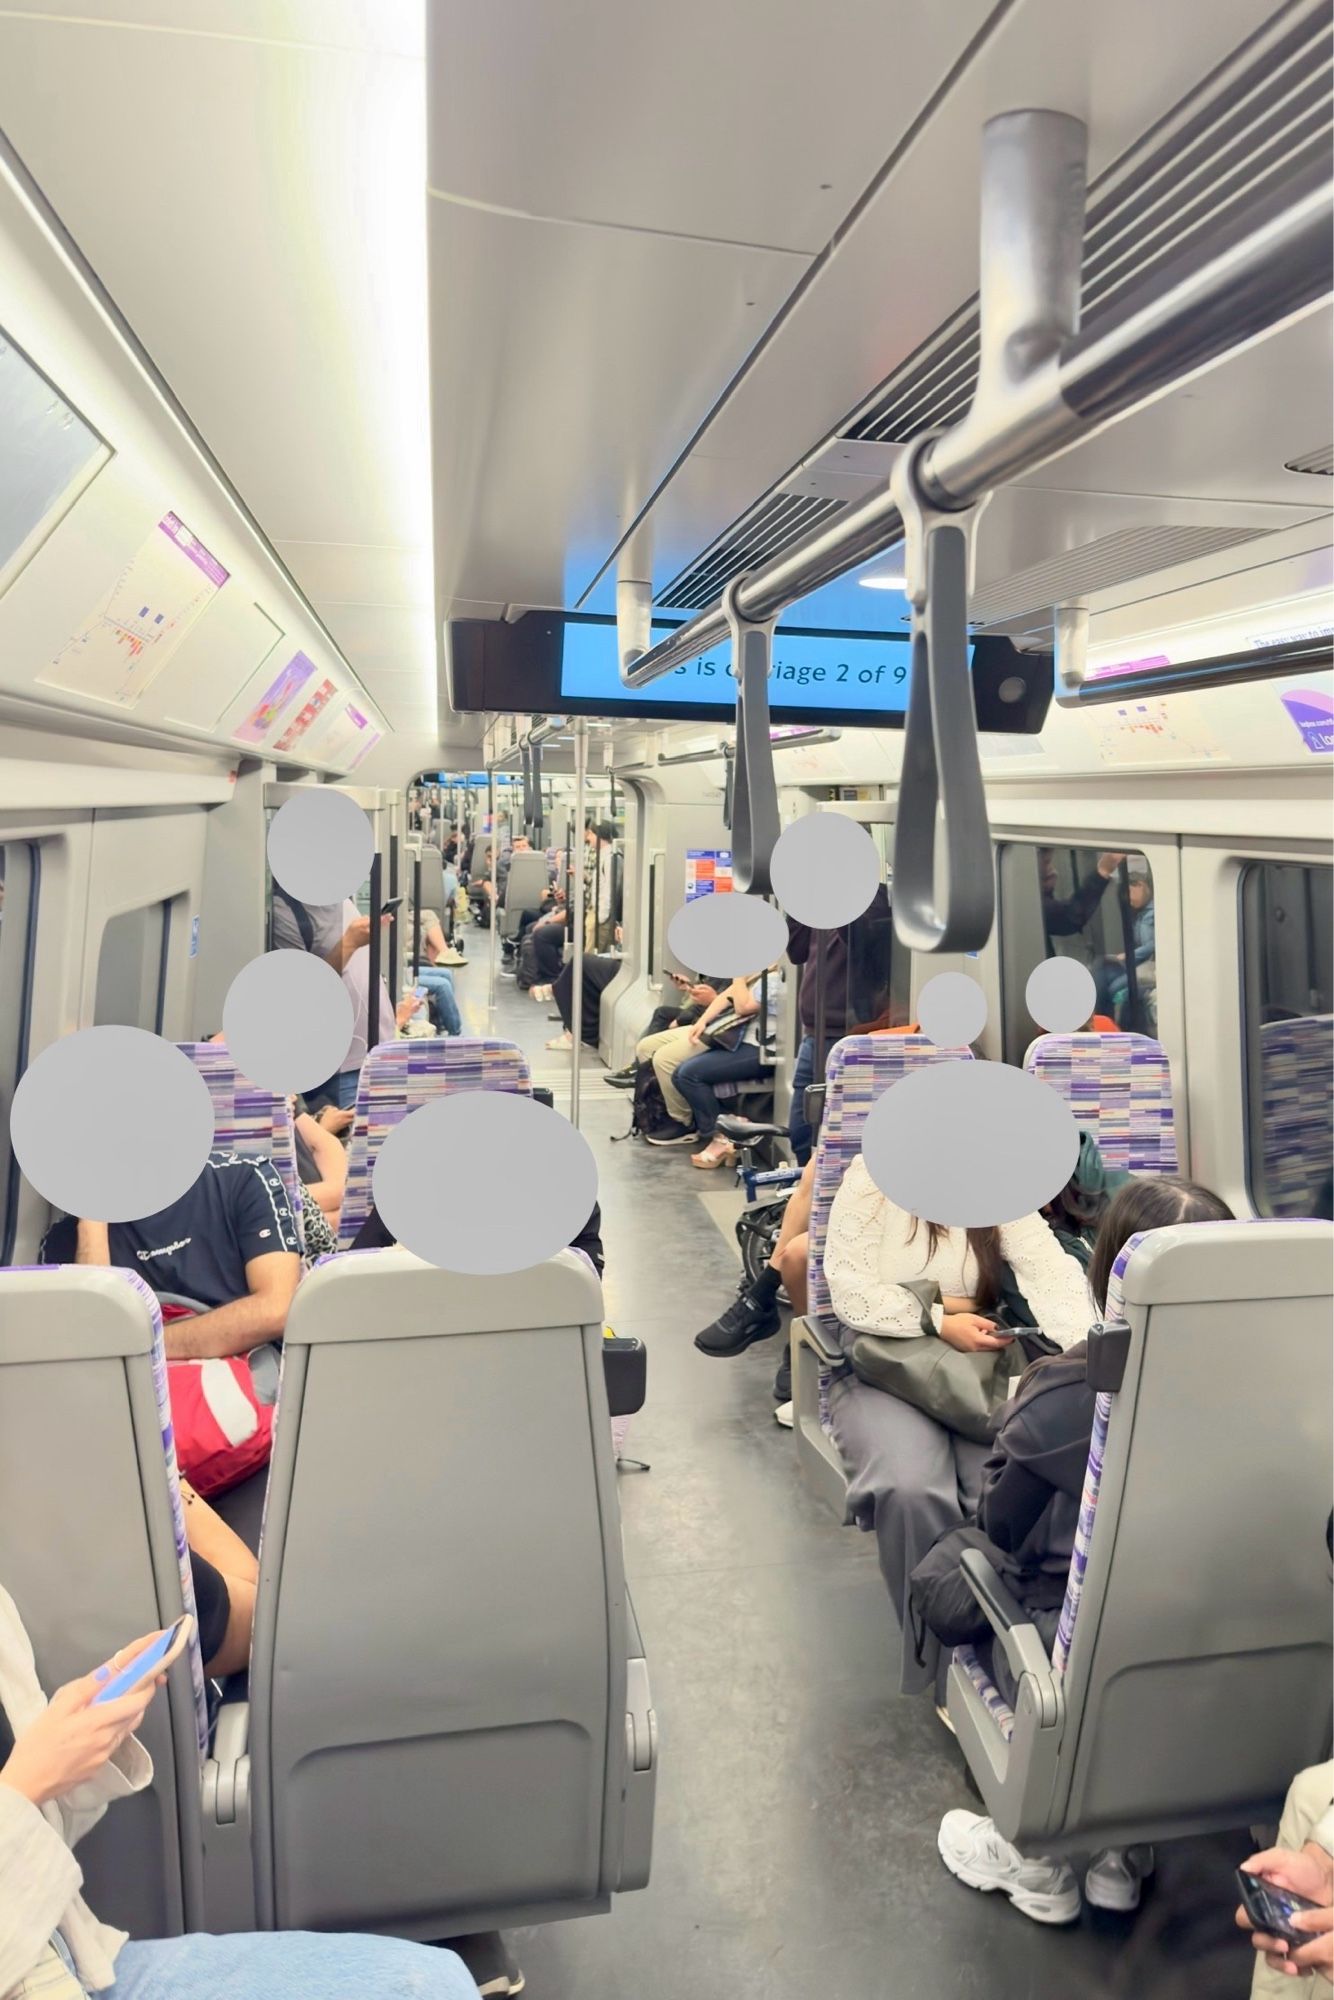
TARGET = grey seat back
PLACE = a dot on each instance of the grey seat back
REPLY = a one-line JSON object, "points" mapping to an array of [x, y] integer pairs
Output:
{"points": [[1205, 1615], [433, 879], [439, 1715], [1192, 1673], [524, 889], [91, 1550]]}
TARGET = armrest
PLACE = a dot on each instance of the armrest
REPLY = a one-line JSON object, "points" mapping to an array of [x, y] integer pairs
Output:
{"points": [[1024, 1650], [227, 1768], [813, 1337]]}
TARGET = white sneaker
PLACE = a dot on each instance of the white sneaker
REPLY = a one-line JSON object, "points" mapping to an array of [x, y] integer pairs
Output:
{"points": [[1116, 1877], [971, 1848], [783, 1416], [539, 993]]}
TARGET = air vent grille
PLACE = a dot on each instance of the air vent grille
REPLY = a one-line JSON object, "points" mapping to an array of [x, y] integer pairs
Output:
{"points": [[1262, 115], [1245, 129], [1100, 565], [772, 525], [1321, 461]]}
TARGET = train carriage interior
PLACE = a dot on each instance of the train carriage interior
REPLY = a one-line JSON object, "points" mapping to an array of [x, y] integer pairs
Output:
{"points": [[666, 999]]}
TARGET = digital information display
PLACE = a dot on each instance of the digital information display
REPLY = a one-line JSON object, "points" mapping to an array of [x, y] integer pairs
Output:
{"points": [[858, 674]]}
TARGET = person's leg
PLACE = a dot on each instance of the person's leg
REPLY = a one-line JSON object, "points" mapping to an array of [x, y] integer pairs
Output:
{"points": [[298, 1965], [1308, 1801], [599, 971], [548, 951], [905, 1485], [663, 1018], [674, 1048], [562, 992], [791, 1268], [755, 1315], [798, 1130], [441, 999], [696, 1077], [345, 1096]]}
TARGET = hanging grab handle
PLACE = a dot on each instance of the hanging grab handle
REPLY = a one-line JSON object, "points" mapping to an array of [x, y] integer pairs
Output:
{"points": [[943, 889], [754, 788]]}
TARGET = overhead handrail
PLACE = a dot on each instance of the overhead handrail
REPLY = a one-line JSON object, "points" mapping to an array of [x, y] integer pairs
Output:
{"points": [[1045, 384]]}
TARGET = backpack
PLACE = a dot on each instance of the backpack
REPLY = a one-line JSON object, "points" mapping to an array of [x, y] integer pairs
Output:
{"points": [[224, 1432], [648, 1106]]}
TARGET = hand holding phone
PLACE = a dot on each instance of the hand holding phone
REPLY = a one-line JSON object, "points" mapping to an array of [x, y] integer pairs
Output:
{"points": [[147, 1659], [389, 905], [1271, 1907]]}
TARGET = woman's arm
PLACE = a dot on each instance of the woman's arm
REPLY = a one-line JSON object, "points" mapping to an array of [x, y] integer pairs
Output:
{"points": [[1053, 1283], [330, 1158], [866, 1230]]}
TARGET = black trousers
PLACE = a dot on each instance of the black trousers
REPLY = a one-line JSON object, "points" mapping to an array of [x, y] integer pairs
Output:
{"points": [[598, 974]]}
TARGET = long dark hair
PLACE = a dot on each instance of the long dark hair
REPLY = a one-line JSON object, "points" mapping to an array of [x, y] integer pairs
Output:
{"points": [[985, 1246], [1147, 1204]]}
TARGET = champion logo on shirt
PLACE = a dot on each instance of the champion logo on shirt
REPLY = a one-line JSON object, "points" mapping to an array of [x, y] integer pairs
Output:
{"points": [[166, 1250]]}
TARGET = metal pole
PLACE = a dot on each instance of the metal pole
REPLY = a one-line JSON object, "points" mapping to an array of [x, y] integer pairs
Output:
{"points": [[373, 980], [1271, 266], [577, 963], [395, 934], [494, 817]]}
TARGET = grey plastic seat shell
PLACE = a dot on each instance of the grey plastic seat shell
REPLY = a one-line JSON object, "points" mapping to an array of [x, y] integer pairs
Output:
{"points": [[441, 1739], [88, 1553], [1199, 1676], [524, 888], [433, 880]]}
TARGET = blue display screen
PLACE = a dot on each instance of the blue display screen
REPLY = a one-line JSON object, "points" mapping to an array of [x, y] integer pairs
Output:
{"points": [[819, 674]]}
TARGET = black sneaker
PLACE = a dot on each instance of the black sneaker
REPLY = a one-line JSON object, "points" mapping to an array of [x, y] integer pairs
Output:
{"points": [[745, 1321], [622, 1079], [783, 1379], [490, 1962], [672, 1134]]}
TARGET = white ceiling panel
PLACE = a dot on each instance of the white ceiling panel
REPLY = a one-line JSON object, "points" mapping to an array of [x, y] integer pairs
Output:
{"points": [[567, 364], [757, 121], [262, 230], [910, 259], [387, 26]]}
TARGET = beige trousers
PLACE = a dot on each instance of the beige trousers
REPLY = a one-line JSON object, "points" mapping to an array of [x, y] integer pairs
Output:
{"points": [[1309, 1798], [667, 1052]]}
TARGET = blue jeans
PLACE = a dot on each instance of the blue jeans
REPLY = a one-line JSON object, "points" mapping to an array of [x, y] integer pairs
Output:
{"points": [[798, 1131], [697, 1075], [441, 1003], [340, 1090], [296, 1965]]}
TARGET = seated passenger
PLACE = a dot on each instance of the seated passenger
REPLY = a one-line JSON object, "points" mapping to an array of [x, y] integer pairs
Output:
{"points": [[61, 1765], [1302, 1861], [226, 1576], [599, 969], [912, 1478], [729, 1054], [229, 1242], [321, 1161], [1110, 977], [1032, 1485], [430, 972], [681, 1013], [542, 953], [374, 1234]]}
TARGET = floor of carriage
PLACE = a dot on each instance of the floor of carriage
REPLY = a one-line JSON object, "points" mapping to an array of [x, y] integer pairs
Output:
{"points": [[799, 1795]]}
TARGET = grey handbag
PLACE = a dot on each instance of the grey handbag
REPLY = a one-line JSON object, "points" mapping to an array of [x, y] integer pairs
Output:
{"points": [[961, 1391]]}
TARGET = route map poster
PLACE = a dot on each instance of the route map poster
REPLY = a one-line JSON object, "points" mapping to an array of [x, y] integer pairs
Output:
{"points": [[128, 638], [708, 872], [297, 728], [275, 700]]}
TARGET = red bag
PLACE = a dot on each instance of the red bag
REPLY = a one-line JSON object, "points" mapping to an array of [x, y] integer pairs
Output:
{"points": [[223, 1431]]}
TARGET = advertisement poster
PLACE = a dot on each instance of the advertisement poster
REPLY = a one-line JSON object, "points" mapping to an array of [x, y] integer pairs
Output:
{"points": [[1312, 711], [316, 706], [128, 638], [342, 739], [275, 700], [708, 872]]}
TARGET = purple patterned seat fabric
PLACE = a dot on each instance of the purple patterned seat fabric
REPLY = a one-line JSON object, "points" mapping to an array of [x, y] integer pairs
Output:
{"points": [[247, 1118], [398, 1076], [1119, 1088], [1296, 1104]]}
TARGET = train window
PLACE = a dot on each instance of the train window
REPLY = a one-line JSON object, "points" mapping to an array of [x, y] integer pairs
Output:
{"points": [[1288, 1019], [1077, 902], [132, 969], [20, 884]]}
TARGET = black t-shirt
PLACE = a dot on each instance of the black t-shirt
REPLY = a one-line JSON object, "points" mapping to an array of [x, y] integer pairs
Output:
{"points": [[213, 1605], [199, 1247]]}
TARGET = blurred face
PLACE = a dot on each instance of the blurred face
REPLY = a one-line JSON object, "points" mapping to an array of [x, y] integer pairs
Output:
{"points": [[1139, 892]]}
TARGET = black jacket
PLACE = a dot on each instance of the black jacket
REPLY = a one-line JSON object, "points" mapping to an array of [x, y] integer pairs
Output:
{"points": [[850, 965], [1068, 917], [1033, 1480]]}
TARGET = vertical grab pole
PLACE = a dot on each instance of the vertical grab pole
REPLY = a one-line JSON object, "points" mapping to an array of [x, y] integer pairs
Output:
{"points": [[395, 934], [373, 982], [494, 818], [577, 964], [418, 948]]}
